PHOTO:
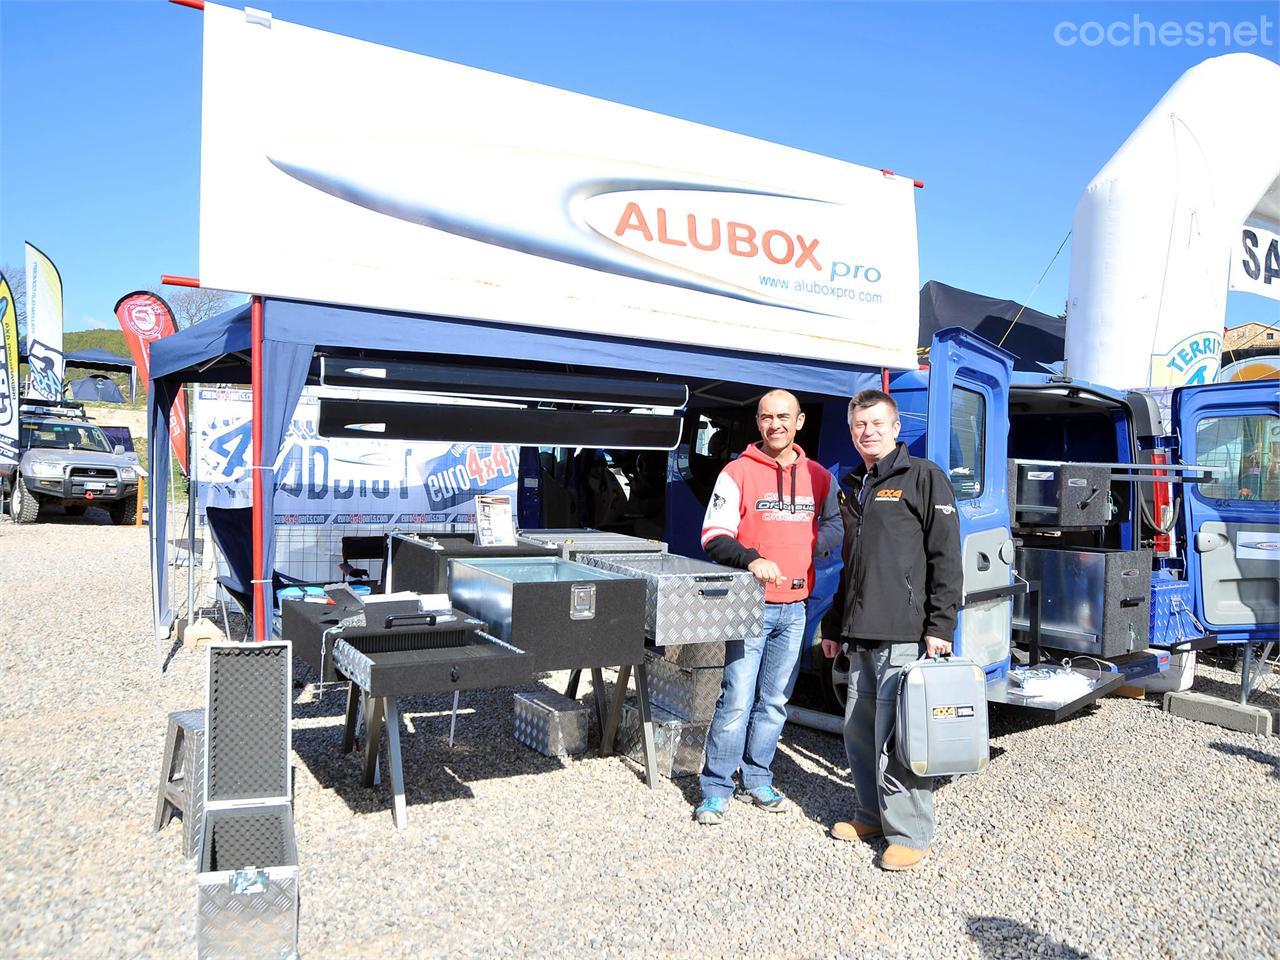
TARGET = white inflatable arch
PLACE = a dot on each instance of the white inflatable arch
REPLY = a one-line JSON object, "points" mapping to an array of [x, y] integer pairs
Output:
{"points": [[1155, 230]]}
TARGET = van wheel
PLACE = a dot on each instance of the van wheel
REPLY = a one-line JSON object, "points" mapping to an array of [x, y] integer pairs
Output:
{"points": [[124, 514], [835, 682], [25, 506]]}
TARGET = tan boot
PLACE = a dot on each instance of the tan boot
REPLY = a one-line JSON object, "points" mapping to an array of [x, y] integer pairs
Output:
{"points": [[897, 857], [853, 831]]}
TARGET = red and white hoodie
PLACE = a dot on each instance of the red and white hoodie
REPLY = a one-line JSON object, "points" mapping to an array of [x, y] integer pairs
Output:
{"points": [[784, 514]]}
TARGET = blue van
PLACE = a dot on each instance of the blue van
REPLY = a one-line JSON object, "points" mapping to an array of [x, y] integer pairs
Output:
{"points": [[988, 415]]}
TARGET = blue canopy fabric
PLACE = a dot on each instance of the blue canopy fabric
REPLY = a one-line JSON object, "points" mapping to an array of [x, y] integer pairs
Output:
{"points": [[99, 358], [218, 350]]}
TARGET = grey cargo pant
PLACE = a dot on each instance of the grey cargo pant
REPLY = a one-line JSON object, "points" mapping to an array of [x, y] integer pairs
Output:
{"points": [[888, 792]]}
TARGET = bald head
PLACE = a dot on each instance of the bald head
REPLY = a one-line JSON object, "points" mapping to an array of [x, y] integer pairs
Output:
{"points": [[777, 399], [778, 417]]}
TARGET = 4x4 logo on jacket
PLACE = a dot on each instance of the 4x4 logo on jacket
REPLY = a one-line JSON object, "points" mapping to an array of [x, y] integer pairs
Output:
{"points": [[888, 495]]}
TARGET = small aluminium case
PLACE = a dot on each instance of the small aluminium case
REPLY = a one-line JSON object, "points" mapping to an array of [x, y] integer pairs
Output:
{"points": [[247, 881], [551, 723], [941, 723]]}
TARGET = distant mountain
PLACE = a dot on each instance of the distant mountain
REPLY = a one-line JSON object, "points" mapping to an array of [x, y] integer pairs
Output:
{"points": [[73, 341]]}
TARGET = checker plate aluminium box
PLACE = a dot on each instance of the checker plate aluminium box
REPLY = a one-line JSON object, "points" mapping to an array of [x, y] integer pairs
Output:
{"points": [[693, 656], [1172, 619], [691, 601], [680, 746], [247, 880], [688, 694], [551, 723], [576, 544]]}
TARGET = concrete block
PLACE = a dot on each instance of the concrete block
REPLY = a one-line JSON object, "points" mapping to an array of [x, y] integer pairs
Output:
{"points": [[1244, 717], [201, 632]]}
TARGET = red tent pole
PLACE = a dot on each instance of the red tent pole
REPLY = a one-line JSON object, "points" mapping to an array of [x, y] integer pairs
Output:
{"points": [[259, 592]]}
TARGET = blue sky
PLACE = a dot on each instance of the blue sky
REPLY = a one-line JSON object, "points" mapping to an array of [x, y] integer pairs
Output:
{"points": [[100, 112]]}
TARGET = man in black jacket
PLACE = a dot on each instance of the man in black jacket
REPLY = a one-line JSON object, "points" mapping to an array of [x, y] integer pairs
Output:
{"points": [[901, 589]]}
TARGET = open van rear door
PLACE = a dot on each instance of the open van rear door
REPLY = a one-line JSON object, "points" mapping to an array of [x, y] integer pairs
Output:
{"points": [[1232, 522], [968, 436]]}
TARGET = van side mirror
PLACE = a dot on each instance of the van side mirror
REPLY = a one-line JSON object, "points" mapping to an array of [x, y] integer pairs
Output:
{"points": [[118, 449]]}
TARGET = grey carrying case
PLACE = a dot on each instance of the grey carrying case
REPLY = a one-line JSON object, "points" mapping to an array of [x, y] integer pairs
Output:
{"points": [[247, 884], [940, 729]]}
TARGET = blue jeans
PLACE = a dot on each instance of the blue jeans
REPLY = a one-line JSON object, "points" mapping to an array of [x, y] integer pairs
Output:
{"points": [[759, 675]]}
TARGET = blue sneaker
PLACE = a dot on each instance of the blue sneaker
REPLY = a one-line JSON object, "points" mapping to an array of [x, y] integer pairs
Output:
{"points": [[711, 811], [767, 798]]}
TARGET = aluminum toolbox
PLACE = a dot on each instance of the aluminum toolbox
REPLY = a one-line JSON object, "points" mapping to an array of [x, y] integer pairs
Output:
{"points": [[565, 614], [551, 723], [247, 880], [690, 694], [940, 728], [574, 544], [691, 601], [1063, 496], [680, 746], [420, 562], [428, 658], [1172, 619], [1092, 600], [693, 656]]}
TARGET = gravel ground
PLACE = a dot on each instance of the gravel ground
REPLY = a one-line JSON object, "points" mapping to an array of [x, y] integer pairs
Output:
{"points": [[1121, 833]]}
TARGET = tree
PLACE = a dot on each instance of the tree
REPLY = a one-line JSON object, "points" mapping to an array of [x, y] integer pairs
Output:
{"points": [[193, 305]]}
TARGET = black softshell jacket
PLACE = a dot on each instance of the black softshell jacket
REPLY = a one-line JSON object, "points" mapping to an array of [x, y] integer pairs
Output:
{"points": [[902, 575]]}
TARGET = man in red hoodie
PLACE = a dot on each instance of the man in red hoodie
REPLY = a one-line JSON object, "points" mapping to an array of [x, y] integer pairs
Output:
{"points": [[771, 510]]}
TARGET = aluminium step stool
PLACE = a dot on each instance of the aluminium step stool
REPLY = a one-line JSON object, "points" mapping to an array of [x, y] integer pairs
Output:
{"points": [[182, 776]]}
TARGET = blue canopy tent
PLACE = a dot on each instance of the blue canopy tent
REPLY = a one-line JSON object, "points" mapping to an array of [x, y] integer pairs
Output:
{"points": [[104, 360], [222, 350], [98, 388]]}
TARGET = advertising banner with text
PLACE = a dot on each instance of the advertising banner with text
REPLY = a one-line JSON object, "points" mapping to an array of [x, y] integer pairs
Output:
{"points": [[322, 480], [46, 367], [453, 191], [144, 318]]}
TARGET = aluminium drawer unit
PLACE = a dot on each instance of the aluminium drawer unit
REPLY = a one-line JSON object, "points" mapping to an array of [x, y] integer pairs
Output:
{"points": [[420, 562], [1061, 496], [432, 656], [1093, 600], [691, 601], [247, 880], [566, 615], [576, 544], [429, 654]]}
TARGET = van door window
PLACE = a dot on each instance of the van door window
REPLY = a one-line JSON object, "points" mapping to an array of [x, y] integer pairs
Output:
{"points": [[1247, 450], [968, 448]]}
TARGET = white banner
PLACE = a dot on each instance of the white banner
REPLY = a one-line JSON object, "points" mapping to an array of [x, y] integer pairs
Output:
{"points": [[1255, 262], [342, 171], [46, 367], [322, 480]]}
